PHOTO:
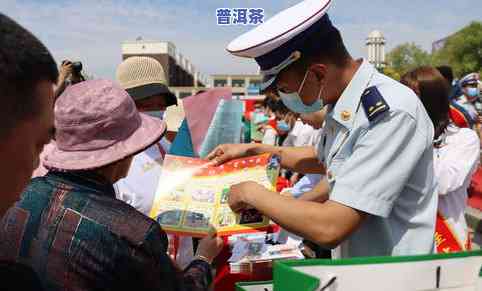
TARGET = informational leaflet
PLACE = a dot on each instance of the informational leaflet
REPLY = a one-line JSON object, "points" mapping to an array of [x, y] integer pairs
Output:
{"points": [[225, 126], [192, 196]]}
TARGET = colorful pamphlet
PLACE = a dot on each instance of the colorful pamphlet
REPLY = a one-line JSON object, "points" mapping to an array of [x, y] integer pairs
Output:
{"points": [[192, 196]]}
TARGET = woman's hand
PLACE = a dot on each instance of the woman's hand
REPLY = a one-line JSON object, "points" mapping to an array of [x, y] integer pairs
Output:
{"points": [[210, 247]]}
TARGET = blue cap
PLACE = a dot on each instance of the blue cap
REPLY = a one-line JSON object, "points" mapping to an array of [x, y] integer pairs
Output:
{"points": [[470, 79]]}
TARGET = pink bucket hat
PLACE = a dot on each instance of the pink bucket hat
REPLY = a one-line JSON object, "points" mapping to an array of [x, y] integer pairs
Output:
{"points": [[97, 123]]}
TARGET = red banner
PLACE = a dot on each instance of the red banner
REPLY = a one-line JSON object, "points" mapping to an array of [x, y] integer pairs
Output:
{"points": [[445, 239]]}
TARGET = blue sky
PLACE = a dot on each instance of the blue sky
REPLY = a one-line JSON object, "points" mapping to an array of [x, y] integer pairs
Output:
{"points": [[92, 30]]}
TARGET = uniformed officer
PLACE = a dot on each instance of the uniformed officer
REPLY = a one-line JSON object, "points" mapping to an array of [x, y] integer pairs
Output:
{"points": [[376, 147], [468, 102]]}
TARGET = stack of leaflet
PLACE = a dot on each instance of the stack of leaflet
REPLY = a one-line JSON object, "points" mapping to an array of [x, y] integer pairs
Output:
{"points": [[251, 254]]}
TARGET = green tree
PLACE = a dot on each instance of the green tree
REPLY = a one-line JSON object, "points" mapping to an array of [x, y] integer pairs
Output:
{"points": [[390, 72], [406, 57], [462, 51]]}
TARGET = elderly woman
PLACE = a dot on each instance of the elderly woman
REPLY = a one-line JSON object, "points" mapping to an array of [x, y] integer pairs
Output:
{"points": [[70, 227]]}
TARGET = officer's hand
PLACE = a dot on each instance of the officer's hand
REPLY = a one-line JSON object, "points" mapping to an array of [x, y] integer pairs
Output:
{"points": [[227, 152], [239, 195]]}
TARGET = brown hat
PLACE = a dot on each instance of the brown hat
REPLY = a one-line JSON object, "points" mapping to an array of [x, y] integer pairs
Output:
{"points": [[143, 77]]}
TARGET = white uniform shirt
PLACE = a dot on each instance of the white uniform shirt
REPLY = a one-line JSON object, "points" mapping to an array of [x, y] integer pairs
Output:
{"points": [[455, 161], [270, 136], [138, 189], [378, 151]]}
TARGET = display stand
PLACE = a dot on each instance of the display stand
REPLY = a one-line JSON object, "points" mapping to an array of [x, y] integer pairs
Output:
{"points": [[454, 272]]}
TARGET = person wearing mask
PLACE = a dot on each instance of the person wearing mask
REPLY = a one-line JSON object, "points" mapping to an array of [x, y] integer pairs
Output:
{"points": [[382, 199], [274, 128], [470, 87], [258, 120], [303, 188], [298, 133], [456, 157], [28, 74], [69, 226], [468, 101], [311, 187], [145, 81]]}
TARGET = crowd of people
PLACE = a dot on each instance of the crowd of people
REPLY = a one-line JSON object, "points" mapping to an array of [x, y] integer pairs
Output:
{"points": [[67, 229], [371, 166]]}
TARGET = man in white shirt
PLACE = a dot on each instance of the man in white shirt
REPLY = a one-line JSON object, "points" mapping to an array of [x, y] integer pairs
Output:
{"points": [[145, 81], [300, 135]]}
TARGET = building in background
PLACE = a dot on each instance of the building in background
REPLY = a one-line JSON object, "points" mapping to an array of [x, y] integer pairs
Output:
{"points": [[243, 86], [180, 72], [184, 79], [376, 49]]}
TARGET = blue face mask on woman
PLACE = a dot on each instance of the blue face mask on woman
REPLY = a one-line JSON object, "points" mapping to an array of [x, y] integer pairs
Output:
{"points": [[294, 103], [283, 126]]}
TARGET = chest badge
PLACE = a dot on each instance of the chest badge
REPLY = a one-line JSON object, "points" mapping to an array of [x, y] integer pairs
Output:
{"points": [[345, 115]]}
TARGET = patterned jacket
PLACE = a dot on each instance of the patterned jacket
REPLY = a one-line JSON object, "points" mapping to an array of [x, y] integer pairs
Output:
{"points": [[73, 232]]}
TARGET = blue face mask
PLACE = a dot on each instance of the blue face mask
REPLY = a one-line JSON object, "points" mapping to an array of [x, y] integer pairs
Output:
{"points": [[155, 114], [294, 103], [472, 92], [283, 126]]}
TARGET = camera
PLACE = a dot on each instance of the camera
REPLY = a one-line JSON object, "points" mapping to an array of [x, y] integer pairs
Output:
{"points": [[77, 67]]}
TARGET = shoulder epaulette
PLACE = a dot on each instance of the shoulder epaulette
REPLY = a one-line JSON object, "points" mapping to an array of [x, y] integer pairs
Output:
{"points": [[373, 103]]}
